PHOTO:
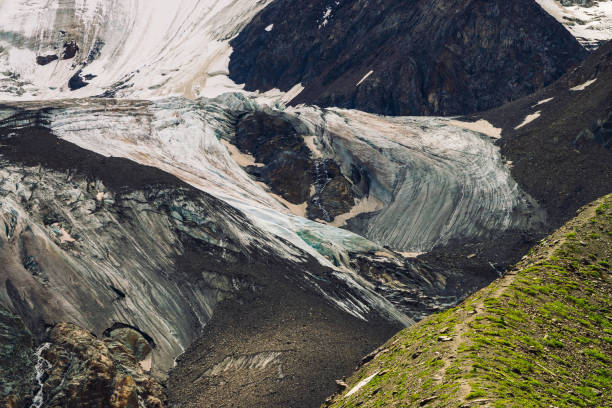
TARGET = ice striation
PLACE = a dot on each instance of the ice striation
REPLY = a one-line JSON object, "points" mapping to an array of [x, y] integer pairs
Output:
{"points": [[436, 181]]}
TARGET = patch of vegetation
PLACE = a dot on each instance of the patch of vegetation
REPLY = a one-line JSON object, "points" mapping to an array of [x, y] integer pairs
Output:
{"points": [[540, 336]]}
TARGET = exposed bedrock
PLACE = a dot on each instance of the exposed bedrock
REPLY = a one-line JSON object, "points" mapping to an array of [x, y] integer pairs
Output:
{"points": [[286, 164], [275, 143], [417, 57], [81, 370]]}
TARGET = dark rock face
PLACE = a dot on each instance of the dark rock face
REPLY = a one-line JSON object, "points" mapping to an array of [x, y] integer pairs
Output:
{"points": [[70, 50], [563, 158], [288, 168], [275, 142], [76, 82], [134, 341], [334, 194], [423, 57], [600, 132]]}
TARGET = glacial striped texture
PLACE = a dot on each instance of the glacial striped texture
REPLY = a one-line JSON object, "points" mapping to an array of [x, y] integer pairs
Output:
{"points": [[438, 182]]}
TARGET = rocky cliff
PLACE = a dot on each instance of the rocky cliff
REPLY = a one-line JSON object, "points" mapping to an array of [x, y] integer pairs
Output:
{"points": [[413, 57]]}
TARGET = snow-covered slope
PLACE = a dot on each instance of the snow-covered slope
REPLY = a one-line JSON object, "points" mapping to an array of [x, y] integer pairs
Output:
{"points": [[589, 21], [132, 48]]}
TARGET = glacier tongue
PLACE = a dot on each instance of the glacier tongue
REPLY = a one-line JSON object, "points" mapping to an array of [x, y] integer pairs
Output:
{"points": [[437, 182]]}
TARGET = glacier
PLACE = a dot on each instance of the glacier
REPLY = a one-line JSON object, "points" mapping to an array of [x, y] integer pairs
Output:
{"points": [[148, 83]]}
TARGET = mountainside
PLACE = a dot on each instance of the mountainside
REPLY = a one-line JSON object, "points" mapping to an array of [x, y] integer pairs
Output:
{"points": [[118, 48], [169, 237], [412, 57], [558, 139], [539, 336]]}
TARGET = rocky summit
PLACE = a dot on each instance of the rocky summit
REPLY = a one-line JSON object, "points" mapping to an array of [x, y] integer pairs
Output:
{"points": [[415, 57], [236, 203]]}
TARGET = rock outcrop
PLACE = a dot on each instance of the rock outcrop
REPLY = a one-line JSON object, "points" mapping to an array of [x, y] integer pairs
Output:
{"points": [[417, 57], [84, 371]]}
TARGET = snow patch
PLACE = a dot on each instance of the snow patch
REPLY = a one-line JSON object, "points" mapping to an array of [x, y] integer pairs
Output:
{"points": [[480, 126], [242, 159], [364, 78], [276, 97], [529, 119], [583, 86], [362, 206], [360, 385], [325, 18], [543, 101], [314, 149], [147, 363]]}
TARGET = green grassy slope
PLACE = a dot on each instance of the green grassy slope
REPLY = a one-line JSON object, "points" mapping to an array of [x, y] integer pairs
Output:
{"points": [[541, 336]]}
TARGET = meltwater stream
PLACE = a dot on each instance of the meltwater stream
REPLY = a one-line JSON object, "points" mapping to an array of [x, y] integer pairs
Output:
{"points": [[42, 365]]}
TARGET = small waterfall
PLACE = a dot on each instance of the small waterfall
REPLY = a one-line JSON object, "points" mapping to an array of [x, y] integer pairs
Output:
{"points": [[42, 365], [321, 179]]}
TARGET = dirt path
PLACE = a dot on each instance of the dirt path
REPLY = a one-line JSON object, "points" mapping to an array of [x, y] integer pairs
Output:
{"points": [[496, 290]]}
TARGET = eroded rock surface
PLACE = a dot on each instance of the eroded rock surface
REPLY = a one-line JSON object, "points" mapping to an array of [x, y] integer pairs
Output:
{"points": [[88, 372]]}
